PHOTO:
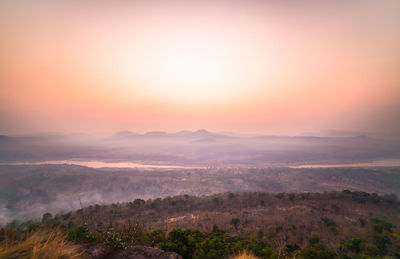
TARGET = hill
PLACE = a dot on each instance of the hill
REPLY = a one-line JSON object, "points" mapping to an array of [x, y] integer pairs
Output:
{"points": [[28, 191], [327, 225]]}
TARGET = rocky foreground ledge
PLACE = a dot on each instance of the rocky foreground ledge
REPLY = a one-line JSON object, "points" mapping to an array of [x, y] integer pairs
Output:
{"points": [[100, 251]]}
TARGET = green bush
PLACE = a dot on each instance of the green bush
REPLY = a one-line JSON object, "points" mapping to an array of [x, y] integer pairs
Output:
{"points": [[153, 238], [317, 250], [355, 245], [82, 234]]}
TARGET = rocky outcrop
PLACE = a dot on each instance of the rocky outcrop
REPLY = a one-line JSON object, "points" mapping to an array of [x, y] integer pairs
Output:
{"points": [[100, 251], [144, 252], [97, 251]]}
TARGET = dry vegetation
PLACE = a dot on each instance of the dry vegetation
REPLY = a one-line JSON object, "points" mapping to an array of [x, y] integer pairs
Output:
{"points": [[277, 218], [30, 191], [39, 245], [244, 255], [306, 225]]}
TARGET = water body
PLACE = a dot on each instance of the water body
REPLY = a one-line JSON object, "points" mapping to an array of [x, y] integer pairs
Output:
{"points": [[102, 164], [376, 163]]}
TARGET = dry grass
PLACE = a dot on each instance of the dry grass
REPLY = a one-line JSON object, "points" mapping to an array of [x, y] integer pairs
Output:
{"points": [[41, 245], [244, 255]]}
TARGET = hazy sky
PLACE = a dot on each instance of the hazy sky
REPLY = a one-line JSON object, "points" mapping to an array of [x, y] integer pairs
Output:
{"points": [[275, 67]]}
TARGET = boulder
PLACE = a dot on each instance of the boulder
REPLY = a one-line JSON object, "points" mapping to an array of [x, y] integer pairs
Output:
{"points": [[144, 252], [101, 251]]}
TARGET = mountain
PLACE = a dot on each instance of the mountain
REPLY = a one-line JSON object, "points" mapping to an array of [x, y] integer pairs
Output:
{"points": [[124, 134], [198, 148]]}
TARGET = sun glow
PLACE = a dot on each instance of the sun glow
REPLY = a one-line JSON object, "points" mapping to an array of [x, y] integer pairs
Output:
{"points": [[172, 65], [187, 66], [193, 73]]}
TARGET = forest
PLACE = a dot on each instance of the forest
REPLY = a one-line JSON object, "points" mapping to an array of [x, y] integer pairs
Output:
{"points": [[29, 191], [284, 225]]}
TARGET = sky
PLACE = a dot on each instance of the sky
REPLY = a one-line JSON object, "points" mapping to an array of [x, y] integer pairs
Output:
{"points": [[272, 67]]}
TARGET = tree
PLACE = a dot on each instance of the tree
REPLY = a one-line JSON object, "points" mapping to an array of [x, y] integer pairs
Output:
{"points": [[46, 217], [354, 245], [235, 222], [317, 250]]}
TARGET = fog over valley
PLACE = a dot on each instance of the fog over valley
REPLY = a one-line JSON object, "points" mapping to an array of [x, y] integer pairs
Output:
{"points": [[59, 172], [201, 148]]}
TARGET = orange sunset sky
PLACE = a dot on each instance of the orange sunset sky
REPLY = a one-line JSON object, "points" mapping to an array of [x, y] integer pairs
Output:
{"points": [[271, 67]]}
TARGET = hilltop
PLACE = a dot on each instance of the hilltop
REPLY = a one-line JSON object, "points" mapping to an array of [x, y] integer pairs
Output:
{"points": [[334, 224]]}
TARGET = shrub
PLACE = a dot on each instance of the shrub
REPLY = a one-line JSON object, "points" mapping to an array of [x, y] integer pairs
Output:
{"points": [[183, 242], [330, 224], [82, 234], [319, 251], [379, 226], [153, 238], [355, 245]]}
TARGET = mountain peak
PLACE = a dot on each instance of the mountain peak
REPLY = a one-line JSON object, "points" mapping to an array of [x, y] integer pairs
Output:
{"points": [[156, 133], [202, 131], [125, 134]]}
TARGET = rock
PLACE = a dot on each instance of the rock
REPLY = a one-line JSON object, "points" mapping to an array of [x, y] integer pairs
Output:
{"points": [[97, 251], [101, 251], [144, 252]]}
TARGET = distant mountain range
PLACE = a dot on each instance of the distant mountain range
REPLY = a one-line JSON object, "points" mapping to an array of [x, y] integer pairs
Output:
{"points": [[156, 134], [200, 147]]}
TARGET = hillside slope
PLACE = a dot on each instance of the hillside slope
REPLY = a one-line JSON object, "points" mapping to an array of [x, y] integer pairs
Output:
{"points": [[278, 222], [27, 192]]}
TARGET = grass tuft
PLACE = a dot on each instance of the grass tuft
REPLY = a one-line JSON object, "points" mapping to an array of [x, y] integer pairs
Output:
{"points": [[244, 255], [41, 245]]}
